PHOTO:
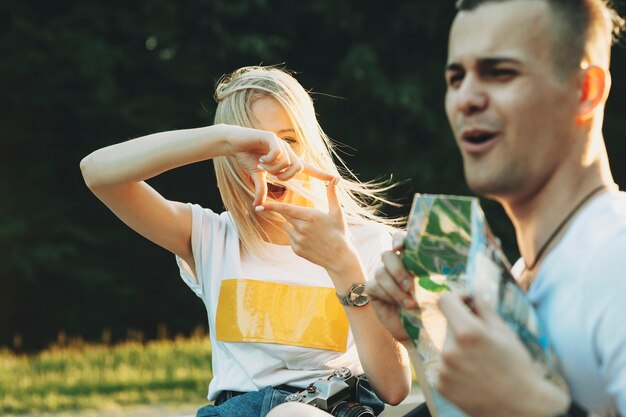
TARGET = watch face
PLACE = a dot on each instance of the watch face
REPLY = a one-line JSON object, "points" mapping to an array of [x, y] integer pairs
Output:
{"points": [[358, 295]]}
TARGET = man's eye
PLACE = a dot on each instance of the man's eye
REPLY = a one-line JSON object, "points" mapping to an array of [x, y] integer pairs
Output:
{"points": [[501, 74], [455, 79]]}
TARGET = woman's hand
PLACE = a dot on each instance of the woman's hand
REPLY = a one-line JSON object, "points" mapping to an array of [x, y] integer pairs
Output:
{"points": [[317, 236], [322, 239], [260, 152]]}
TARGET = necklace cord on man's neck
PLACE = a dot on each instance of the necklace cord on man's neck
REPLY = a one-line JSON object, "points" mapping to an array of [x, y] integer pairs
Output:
{"points": [[566, 219]]}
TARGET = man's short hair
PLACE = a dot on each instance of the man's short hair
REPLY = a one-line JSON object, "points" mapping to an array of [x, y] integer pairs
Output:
{"points": [[585, 30]]}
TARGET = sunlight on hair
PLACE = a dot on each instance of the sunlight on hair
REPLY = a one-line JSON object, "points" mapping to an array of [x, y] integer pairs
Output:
{"points": [[235, 94]]}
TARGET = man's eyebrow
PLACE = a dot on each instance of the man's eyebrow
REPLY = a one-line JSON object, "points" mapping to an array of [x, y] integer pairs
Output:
{"points": [[493, 61], [485, 63], [454, 67]]}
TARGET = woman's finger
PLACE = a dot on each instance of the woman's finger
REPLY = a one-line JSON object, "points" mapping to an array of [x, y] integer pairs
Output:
{"points": [[260, 187], [287, 210], [275, 150], [291, 171], [291, 232], [279, 164], [334, 208], [317, 173]]}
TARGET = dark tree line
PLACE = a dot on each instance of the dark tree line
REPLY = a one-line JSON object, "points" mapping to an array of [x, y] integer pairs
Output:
{"points": [[78, 75]]}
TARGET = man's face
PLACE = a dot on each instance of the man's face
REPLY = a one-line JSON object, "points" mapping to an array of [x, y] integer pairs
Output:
{"points": [[510, 113]]}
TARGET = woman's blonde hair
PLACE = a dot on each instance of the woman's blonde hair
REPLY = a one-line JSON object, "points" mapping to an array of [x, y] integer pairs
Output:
{"points": [[235, 94]]}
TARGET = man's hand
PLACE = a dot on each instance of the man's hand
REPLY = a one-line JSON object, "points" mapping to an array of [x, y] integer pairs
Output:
{"points": [[485, 368], [392, 288]]}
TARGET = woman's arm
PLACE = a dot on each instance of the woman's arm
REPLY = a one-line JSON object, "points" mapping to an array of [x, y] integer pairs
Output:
{"points": [[116, 175], [321, 239], [384, 359]]}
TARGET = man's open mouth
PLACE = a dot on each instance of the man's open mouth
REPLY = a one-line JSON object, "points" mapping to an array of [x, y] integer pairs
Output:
{"points": [[275, 191], [479, 137]]}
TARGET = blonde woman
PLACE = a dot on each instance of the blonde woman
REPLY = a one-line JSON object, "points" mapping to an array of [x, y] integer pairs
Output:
{"points": [[270, 280]]}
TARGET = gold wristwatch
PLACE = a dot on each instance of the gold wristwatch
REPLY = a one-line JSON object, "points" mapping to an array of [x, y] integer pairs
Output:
{"points": [[356, 297]]}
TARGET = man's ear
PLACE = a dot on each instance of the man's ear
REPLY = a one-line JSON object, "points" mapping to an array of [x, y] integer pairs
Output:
{"points": [[593, 91]]}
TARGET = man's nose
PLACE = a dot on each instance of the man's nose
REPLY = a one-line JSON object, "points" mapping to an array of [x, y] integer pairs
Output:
{"points": [[471, 96]]}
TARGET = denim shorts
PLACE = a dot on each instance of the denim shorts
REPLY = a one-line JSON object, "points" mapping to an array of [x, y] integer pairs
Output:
{"points": [[249, 404], [259, 403]]}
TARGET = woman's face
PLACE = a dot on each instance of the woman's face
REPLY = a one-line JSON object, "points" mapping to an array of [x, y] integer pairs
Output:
{"points": [[271, 116]]}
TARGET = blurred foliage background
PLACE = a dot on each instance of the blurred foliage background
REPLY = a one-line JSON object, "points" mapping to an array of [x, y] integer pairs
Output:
{"points": [[79, 376], [79, 75]]}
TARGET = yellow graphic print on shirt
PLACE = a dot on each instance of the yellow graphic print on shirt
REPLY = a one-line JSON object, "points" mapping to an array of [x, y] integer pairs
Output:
{"points": [[268, 312]]}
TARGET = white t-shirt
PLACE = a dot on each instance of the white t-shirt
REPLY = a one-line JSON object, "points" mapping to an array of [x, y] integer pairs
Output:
{"points": [[580, 296], [278, 281]]}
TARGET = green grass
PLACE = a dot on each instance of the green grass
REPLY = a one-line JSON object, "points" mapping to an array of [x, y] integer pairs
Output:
{"points": [[92, 377]]}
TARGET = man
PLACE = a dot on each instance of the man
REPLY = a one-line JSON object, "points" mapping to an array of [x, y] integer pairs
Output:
{"points": [[527, 83]]}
